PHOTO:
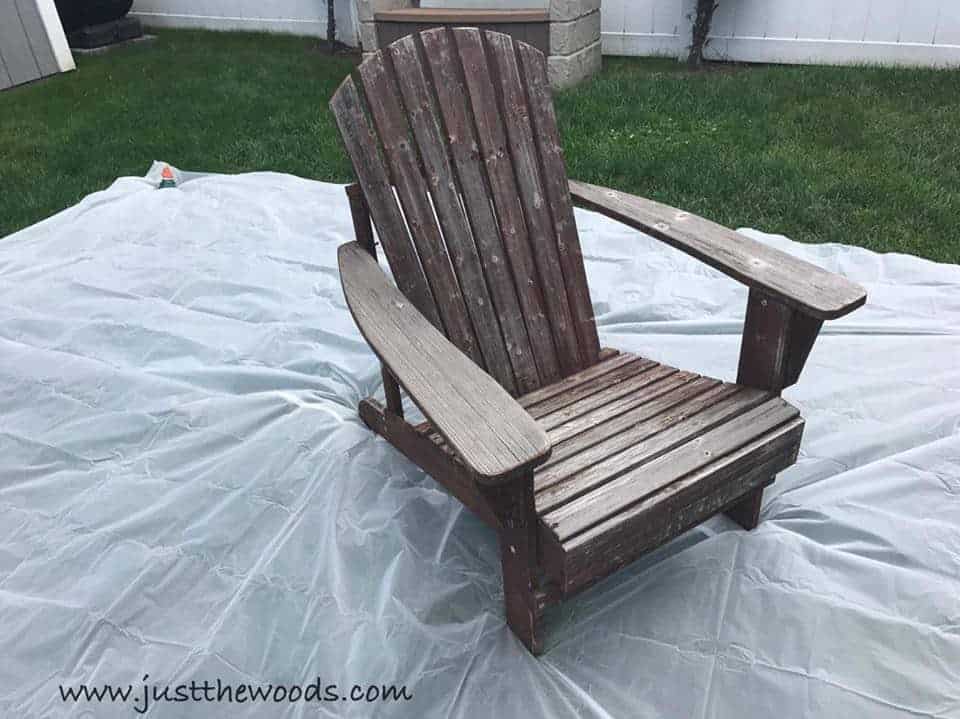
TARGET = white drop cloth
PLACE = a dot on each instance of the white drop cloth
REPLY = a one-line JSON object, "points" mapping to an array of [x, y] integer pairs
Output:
{"points": [[186, 490]]}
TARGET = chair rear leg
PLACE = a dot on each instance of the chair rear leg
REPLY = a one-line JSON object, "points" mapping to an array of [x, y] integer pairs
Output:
{"points": [[746, 512], [517, 536]]}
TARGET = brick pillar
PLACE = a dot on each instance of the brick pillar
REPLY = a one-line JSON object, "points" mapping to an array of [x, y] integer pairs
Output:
{"points": [[574, 41], [365, 11]]}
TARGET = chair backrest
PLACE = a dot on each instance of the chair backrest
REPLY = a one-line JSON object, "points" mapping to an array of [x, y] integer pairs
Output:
{"points": [[454, 141]]}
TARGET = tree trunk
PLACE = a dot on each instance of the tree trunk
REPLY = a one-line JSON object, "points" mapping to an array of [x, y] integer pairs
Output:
{"points": [[701, 29], [331, 26]]}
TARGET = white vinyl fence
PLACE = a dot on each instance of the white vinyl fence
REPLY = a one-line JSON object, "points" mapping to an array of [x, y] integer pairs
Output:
{"points": [[911, 32], [297, 17], [906, 32]]}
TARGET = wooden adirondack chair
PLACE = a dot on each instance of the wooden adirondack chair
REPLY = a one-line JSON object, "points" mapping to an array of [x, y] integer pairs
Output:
{"points": [[581, 458]]}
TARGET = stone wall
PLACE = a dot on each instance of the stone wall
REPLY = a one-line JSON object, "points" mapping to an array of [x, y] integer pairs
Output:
{"points": [[574, 41]]}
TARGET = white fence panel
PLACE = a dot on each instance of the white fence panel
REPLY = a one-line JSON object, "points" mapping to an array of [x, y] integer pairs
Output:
{"points": [[907, 32], [298, 17], [644, 27]]}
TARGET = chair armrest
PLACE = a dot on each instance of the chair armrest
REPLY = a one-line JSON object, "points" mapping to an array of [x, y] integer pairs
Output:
{"points": [[494, 436], [810, 289]]}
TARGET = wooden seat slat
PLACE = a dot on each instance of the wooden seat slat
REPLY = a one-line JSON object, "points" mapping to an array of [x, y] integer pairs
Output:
{"points": [[616, 376], [686, 456], [625, 449], [607, 360], [650, 375], [595, 426]]}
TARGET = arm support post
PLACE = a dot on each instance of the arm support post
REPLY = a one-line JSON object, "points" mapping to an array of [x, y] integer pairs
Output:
{"points": [[363, 230], [776, 343]]}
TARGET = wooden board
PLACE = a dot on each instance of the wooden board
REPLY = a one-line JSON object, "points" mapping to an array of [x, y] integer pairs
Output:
{"points": [[626, 388], [491, 133], [456, 116], [461, 17], [579, 431], [629, 450], [536, 33], [465, 260], [811, 289], [436, 461], [360, 142], [607, 360], [614, 543], [690, 453], [404, 165], [493, 435], [554, 171], [461, 131], [502, 58], [580, 392]]}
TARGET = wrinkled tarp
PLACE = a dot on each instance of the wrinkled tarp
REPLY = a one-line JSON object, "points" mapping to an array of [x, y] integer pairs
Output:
{"points": [[187, 491]]}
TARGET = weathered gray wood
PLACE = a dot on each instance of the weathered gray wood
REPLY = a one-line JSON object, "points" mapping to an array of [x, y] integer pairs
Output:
{"points": [[515, 111], [595, 407], [644, 442], [361, 144], [17, 54], [811, 289], [536, 33], [493, 435], [391, 392], [363, 231], [746, 511], [462, 16], [512, 504], [765, 343], [803, 334], [776, 342], [503, 188], [433, 460], [578, 393], [447, 79], [628, 386], [612, 544], [423, 119], [391, 124], [607, 361], [554, 171], [641, 451], [593, 427], [616, 495], [37, 37], [360, 214]]}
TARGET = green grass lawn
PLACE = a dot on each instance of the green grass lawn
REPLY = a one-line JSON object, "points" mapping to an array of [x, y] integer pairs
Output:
{"points": [[866, 156]]}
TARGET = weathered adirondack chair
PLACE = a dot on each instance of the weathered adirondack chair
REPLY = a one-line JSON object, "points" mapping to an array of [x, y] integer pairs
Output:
{"points": [[581, 458]]}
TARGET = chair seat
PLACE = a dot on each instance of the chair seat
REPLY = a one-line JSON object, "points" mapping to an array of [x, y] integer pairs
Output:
{"points": [[641, 452]]}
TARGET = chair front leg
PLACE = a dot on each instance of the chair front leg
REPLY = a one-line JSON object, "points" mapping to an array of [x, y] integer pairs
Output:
{"points": [[513, 505], [776, 342]]}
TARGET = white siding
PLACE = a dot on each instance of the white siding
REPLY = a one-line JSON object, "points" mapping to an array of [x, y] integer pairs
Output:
{"points": [[32, 43], [299, 17], [913, 32]]}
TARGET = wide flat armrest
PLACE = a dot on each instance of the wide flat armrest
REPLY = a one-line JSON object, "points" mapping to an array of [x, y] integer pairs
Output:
{"points": [[494, 436], [799, 284]]}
